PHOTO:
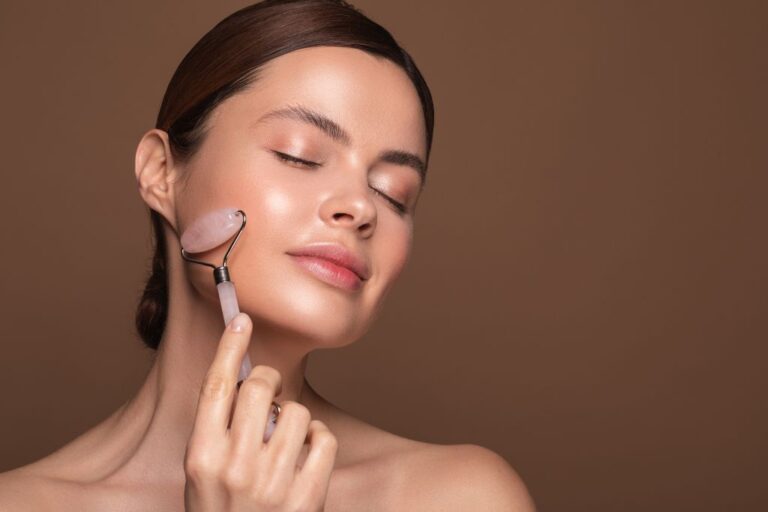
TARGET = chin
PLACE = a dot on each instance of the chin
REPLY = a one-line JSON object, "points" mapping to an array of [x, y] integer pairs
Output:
{"points": [[317, 333], [323, 316]]}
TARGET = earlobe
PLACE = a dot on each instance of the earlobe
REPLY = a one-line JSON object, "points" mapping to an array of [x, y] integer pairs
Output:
{"points": [[156, 174]]}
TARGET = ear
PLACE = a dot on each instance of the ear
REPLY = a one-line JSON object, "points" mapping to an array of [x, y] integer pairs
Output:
{"points": [[156, 174]]}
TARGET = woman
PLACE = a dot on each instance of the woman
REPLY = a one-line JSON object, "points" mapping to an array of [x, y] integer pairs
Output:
{"points": [[310, 118]]}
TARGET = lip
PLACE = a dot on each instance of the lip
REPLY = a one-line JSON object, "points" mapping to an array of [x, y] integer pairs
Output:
{"points": [[333, 263]]}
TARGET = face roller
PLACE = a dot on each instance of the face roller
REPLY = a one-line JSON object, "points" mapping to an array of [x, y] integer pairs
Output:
{"points": [[208, 232]]}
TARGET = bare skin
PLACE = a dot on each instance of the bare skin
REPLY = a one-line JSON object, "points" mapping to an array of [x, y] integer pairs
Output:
{"points": [[134, 459]]}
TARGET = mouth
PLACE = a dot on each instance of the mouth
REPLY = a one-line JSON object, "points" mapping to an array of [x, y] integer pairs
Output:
{"points": [[334, 264], [329, 272]]}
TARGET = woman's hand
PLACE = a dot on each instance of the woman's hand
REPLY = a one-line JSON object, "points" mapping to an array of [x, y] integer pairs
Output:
{"points": [[233, 469]]}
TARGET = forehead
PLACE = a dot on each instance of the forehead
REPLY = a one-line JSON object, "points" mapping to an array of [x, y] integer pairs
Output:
{"points": [[370, 96]]}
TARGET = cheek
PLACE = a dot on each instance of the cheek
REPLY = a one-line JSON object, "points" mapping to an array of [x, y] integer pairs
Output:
{"points": [[268, 197], [393, 249], [275, 210], [271, 205], [275, 214]]}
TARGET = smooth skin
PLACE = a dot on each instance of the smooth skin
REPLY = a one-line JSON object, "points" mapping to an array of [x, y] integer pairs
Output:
{"points": [[338, 191]]}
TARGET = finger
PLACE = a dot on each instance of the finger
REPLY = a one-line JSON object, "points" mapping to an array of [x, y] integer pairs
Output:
{"points": [[215, 400], [315, 474], [288, 438], [253, 407]]}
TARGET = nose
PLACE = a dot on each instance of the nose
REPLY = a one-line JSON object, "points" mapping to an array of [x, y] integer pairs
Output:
{"points": [[350, 206]]}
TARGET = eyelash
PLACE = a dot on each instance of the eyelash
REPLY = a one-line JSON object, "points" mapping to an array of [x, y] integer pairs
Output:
{"points": [[399, 207]]}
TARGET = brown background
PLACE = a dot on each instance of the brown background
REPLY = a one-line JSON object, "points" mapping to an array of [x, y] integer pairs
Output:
{"points": [[587, 293]]}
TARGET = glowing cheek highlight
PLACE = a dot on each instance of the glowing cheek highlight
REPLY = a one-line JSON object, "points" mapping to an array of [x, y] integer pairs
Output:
{"points": [[277, 202]]}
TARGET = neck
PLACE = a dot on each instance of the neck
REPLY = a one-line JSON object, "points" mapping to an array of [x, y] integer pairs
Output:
{"points": [[144, 441]]}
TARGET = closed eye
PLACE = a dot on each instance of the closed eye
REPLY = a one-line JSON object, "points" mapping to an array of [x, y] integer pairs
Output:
{"points": [[399, 207], [289, 158]]}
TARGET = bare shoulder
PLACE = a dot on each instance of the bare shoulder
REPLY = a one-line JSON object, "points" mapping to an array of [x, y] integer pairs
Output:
{"points": [[462, 477], [21, 490], [404, 474]]}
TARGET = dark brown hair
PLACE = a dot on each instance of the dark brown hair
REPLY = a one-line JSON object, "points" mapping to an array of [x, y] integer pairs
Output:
{"points": [[226, 60]]}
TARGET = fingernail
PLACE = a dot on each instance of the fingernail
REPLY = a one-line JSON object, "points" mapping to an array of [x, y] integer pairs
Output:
{"points": [[239, 322]]}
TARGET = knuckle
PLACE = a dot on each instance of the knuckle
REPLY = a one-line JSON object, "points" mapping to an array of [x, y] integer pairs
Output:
{"points": [[327, 441], [229, 345], [295, 410], [318, 425], [199, 466], [216, 386], [235, 478], [256, 385], [267, 372], [324, 438]]}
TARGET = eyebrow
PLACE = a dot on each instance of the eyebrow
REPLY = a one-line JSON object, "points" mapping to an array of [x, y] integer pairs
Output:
{"points": [[337, 133]]}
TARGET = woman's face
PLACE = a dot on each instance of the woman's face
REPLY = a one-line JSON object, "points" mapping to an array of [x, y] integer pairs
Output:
{"points": [[343, 196]]}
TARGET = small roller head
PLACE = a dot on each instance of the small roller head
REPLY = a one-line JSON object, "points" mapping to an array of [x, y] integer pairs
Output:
{"points": [[211, 230]]}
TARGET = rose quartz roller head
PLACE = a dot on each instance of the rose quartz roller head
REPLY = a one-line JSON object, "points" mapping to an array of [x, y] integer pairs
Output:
{"points": [[208, 232]]}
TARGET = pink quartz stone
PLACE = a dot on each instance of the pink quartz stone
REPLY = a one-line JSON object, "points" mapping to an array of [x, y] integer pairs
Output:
{"points": [[211, 230]]}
